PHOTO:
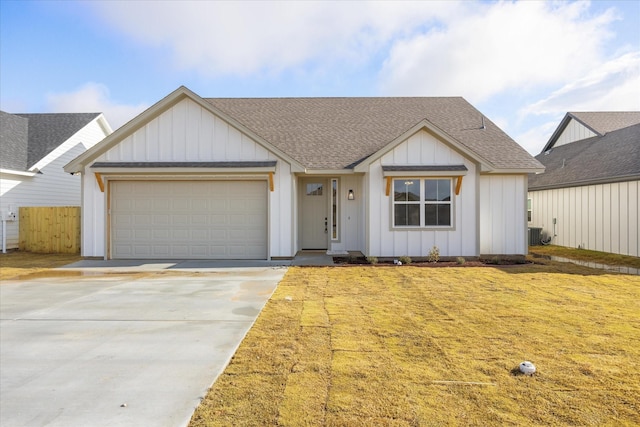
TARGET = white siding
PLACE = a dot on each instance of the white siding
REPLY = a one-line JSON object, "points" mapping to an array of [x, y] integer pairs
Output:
{"points": [[503, 214], [574, 131], [597, 217], [351, 215], [186, 133], [421, 149], [183, 133], [51, 187]]}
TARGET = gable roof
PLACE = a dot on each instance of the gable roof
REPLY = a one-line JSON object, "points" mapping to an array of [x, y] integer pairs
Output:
{"points": [[613, 157], [28, 138], [339, 133], [599, 122]]}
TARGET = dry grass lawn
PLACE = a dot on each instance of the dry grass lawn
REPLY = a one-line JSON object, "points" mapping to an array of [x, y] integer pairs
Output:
{"points": [[586, 255], [18, 263], [415, 346]]}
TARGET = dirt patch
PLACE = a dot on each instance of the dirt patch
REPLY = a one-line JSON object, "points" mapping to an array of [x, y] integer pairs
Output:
{"points": [[19, 263]]}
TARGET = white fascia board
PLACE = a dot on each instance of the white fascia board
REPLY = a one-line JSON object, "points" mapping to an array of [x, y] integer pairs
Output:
{"points": [[512, 171], [423, 173], [69, 144], [430, 127], [19, 173], [104, 124], [328, 172], [184, 177], [183, 171]]}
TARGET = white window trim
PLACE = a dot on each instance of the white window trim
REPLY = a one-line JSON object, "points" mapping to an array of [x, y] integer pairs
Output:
{"points": [[421, 203]]}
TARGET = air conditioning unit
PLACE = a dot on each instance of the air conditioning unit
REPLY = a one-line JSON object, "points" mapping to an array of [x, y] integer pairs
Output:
{"points": [[535, 234]]}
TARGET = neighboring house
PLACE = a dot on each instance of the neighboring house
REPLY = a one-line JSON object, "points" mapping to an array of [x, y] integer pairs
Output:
{"points": [[589, 195], [33, 150], [196, 177]]}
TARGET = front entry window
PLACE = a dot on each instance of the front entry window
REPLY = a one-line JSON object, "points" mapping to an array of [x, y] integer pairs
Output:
{"points": [[314, 189], [334, 209]]}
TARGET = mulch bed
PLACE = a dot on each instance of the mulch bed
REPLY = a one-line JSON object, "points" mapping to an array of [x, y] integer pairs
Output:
{"points": [[507, 261]]}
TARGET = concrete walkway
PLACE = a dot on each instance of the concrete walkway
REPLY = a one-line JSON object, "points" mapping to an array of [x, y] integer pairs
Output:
{"points": [[302, 258], [122, 344]]}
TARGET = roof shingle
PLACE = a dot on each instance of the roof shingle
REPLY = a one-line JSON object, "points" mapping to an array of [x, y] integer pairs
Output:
{"points": [[609, 158], [48, 130], [14, 137], [607, 121], [339, 133], [27, 138]]}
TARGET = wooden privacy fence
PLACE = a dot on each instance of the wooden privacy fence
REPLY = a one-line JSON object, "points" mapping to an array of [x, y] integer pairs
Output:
{"points": [[50, 229]]}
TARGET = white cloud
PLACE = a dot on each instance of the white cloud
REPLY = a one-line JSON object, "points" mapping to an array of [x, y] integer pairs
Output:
{"points": [[93, 98], [248, 38], [491, 48], [534, 139], [611, 86]]}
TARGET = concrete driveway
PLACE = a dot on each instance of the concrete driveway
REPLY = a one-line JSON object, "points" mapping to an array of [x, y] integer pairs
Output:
{"points": [[131, 347]]}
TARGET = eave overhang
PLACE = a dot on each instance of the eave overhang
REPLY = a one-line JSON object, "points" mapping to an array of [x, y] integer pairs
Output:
{"points": [[173, 168], [424, 170], [20, 173], [607, 180]]}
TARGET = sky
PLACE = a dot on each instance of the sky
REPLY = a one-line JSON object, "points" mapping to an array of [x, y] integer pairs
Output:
{"points": [[523, 64]]}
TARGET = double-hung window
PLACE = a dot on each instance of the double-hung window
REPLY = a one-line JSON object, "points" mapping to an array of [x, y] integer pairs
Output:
{"points": [[422, 202]]}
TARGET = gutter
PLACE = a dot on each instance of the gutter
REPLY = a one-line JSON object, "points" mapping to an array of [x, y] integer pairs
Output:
{"points": [[608, 180]]}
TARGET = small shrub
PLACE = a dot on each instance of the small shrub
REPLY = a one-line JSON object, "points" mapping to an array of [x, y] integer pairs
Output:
{"points": [[460, 260], [372, 260], [405, 259], [434, 254]]}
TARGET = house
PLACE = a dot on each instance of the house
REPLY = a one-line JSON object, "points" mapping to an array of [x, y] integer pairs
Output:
{"points": [[33, 150], [213, 178], [589, 195]]}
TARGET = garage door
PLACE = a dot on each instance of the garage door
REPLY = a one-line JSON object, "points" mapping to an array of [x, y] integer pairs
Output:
{"points": [[189, 219]]}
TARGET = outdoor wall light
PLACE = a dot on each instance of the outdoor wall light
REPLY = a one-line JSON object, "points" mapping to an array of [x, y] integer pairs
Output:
{"points": [[351, 196]]}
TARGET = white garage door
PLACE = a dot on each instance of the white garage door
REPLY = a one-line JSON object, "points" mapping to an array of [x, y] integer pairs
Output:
{"points": [[189, 219]]}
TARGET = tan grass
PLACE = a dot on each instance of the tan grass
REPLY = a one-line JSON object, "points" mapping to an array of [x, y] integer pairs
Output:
{"points": [[411, 346], [19, 263], [586, 255]]}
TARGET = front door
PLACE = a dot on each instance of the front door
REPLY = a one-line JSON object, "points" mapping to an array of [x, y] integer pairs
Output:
{"points": [[314, 221]]}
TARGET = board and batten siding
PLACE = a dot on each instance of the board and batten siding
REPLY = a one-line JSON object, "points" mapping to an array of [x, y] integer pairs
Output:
{"points": [[187, 132], [503, 214], [53, 186], [601, 217], [575, 131], [383, 241]]}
